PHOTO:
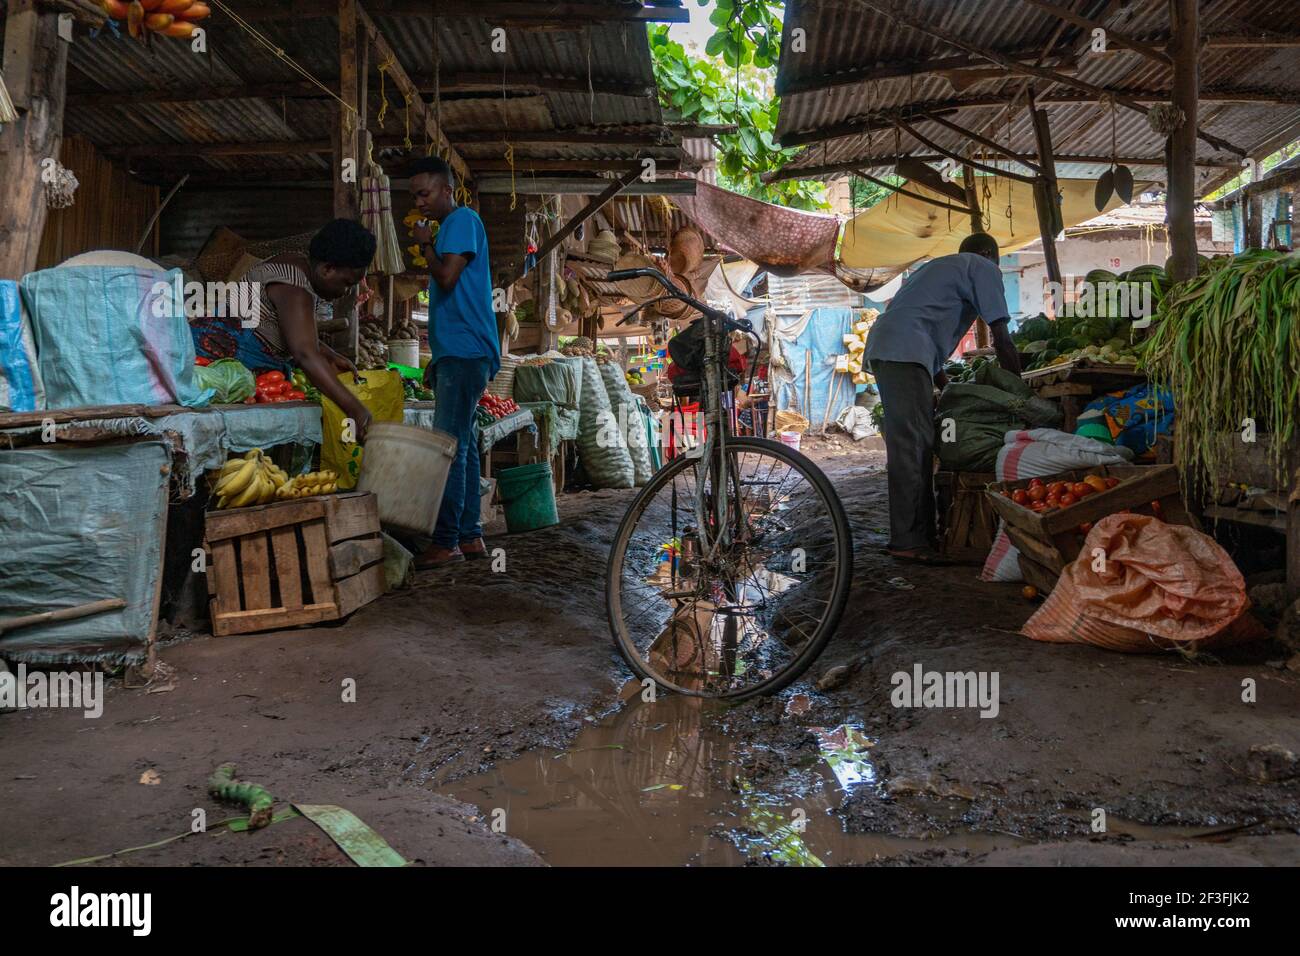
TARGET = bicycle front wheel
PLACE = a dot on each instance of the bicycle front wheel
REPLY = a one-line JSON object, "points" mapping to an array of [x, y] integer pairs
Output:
{"points": [[749, 615]]}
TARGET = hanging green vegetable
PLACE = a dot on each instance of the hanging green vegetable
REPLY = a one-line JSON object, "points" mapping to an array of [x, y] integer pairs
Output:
{"points": [[1227, 343]]}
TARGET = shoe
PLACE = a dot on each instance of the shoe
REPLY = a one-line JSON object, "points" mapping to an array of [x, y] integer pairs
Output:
{"points": [[437, 557], [474, 550]]}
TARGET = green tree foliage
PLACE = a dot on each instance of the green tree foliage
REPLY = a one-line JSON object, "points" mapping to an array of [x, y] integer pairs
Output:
{"points": [[866, 194], [733, 85]]}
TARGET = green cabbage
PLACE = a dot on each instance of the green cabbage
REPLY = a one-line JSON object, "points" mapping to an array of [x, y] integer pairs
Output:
{"points": [[229, 378]]}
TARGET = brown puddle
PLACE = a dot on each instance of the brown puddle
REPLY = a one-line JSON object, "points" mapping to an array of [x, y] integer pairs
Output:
{"points": [[657, 785]]}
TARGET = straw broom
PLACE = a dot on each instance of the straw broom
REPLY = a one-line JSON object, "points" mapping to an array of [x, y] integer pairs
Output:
{"points": [[7, 112], [377, 216]]}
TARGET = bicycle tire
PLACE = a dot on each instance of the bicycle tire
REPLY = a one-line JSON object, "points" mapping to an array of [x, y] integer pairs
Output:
{"points": [[843, 550]]}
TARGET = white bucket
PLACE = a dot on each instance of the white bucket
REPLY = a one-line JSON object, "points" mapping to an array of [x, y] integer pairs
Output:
{"points": [[404, 352], [787, 438], [406, 467]]}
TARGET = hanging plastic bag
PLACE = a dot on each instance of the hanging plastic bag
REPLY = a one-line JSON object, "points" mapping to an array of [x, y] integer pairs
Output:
{"points": [[380, 390], [1140, 585]]}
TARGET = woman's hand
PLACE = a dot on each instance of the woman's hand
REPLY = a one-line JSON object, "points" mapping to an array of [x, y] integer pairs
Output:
{"points": [[363, 420]]}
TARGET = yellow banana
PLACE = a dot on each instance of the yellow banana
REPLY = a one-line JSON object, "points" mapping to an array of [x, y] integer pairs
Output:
{"points": [[231, 466], [252, 454], [277, 477], [237, 481], [249, 495]]}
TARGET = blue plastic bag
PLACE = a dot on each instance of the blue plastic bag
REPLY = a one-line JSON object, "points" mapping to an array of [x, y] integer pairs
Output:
{"points": [[112, 335]]}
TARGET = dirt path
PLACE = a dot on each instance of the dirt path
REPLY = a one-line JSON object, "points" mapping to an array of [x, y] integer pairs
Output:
{"points": [[470, 669]]}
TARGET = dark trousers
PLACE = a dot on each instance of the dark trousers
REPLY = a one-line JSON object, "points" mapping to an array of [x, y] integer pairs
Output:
{"points": [[907, 392], [458, 386]]}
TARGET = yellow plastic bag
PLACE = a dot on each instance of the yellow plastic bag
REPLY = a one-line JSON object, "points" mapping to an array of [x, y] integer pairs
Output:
{"points": [[381, 392]]}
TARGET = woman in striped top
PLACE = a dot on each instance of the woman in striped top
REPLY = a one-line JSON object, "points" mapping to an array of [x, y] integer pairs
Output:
{"points": [[293, 289]]}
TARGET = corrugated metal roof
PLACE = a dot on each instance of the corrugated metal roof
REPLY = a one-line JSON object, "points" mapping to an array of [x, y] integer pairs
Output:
{"points": [[612, 53], [842, 36]]}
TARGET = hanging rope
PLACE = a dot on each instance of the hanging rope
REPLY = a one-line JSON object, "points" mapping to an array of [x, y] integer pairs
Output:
{"points": [[279, 53], [407, 141], [510, 158], [383, 95]]}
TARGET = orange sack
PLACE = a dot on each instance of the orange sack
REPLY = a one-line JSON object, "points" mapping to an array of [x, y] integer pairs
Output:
{"points": [[1160, 586]]}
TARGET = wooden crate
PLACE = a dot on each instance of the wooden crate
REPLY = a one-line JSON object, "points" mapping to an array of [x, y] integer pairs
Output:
{"points": [[293, 562], [1048, 542], [967, 521]]}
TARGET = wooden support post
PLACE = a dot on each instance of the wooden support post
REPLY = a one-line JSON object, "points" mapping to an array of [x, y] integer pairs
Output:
{"points": [[983, 337], [35, 71], [1184, 47], [1046, 199], [346, 158], [1293, 540]]}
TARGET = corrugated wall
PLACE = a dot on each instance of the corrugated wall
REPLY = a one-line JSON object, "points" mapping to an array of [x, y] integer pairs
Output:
{"points": [[110, 210], [255, 214]]}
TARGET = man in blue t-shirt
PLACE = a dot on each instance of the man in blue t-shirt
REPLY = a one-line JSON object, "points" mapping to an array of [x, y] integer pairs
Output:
{"points": [[907, 347], [466, 352]]}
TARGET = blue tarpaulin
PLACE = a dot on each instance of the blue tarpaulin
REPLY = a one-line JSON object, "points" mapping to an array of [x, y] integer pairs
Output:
{"points": [[82, 523], [822, 332]]}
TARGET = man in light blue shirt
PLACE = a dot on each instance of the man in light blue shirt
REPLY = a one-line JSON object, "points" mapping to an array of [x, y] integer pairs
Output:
{"points": [[907, 347], [466, 352]]}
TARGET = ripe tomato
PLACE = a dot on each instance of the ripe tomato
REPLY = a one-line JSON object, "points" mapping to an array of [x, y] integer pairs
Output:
{"points": [[1055, 488], [1080, 489], [1035, 482], [1020, 496], [269, 378], [1037, 492], [201, 360], [1067, 499], [1112, 482], [296, 395]]}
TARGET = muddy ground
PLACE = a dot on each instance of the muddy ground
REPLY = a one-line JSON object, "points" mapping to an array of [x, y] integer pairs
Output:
{"points": [[473, 680]]}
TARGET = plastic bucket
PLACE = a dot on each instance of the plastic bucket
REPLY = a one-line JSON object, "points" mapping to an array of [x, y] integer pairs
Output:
{"points": [[791, 439], [406, 467], [528, 494], [404, 352]]}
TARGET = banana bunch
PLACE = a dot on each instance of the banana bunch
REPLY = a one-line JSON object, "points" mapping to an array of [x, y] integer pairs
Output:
{"points": [[172, 18], [304, 486], [251, 480]]}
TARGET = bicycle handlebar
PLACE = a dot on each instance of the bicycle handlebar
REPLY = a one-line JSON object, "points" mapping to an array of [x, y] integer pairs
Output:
{"points": [[728, 323]]}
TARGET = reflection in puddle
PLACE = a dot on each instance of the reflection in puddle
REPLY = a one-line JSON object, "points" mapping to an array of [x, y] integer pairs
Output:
{"points": [[658, 785]]}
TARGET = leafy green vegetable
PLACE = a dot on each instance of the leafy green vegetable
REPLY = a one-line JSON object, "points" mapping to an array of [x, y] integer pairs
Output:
{"points": [[230, 378]]}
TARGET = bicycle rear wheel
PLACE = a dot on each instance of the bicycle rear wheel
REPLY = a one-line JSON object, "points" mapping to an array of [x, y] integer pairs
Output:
{"points": [[751, 617]]}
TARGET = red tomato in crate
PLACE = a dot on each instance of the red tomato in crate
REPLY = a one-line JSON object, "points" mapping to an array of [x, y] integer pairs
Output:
{"points": [[1112, 482], [1035, 482], [1020, 496], [1068, 499], [1036, 492]]}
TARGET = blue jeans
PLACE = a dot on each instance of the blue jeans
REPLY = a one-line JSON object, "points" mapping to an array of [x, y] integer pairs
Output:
{"points": [[459, 384]]}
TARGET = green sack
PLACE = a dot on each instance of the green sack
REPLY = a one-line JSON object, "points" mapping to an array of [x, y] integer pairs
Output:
{"points": [[559, 383]]}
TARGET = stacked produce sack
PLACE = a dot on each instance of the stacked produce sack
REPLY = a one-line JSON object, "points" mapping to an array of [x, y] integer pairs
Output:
{"points": [[627, 414], [856, 342], [982, 412], [608, 463]]}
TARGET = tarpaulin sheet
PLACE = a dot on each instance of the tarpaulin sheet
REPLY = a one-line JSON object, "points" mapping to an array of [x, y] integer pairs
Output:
{"points": [[209, 436], [21, 389], [110, 335], [487, 437], [821, 331], [783, 241], [82, 523], [899, 231]]}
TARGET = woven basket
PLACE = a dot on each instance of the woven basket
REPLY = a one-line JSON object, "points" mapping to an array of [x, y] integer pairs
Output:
{"points": [[503, 385]]}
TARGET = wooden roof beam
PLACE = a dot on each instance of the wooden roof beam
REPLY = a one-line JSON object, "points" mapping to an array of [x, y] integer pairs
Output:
{"points": [[1112, 36], [891, 71], [921, 25], [571, 14], [958, 158], [405, 86]]}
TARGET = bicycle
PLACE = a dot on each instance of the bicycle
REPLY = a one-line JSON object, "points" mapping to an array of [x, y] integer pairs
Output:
{"points": [[730, 571]]}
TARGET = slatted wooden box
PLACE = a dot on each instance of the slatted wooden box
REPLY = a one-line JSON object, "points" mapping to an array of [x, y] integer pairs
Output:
{"points": [[293, 562], [1047, 542], [967, 521]]}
